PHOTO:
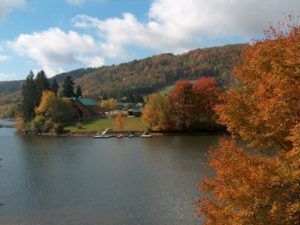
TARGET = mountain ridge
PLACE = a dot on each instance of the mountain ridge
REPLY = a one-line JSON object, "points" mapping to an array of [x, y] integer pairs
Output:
{"points": [[149, 74]]}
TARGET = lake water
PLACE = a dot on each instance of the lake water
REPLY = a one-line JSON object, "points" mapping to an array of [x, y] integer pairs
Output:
{"points": [[86, 181]]}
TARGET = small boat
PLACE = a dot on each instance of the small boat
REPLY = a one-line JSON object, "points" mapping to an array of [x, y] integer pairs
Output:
{"points": [[103, 134], [120, 136], [146, 135], [130, 135]]}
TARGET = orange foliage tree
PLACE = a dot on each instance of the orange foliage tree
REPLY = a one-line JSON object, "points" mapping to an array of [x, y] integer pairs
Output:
{"points": [[119, 121], [191, 104], [206, 97], [188, 107], [264, 110], [182, 105]]}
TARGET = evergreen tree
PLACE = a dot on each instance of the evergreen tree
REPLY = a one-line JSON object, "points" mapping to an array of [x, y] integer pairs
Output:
{"points": [[42, 84], [54, 86], [41, 81], [78, 92], [68, 87], [28, 98]]}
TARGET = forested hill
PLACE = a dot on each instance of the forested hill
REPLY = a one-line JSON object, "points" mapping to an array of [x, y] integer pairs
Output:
{"points": [[150, 74], [153, 73]]}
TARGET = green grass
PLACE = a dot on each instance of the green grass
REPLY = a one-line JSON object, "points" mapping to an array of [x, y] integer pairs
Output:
{"points": [[166, 90], [130, 124]]}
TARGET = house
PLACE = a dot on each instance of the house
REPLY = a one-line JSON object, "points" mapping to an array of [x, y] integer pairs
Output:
{"points": [[85, 108], [136, 112]]}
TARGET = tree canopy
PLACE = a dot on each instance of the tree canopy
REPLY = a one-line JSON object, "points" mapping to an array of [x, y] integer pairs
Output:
{"points": [[264, 110], [68, 87]]}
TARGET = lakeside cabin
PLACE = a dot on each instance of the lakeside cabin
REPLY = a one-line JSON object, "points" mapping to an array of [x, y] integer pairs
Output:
{"points": [[85, 108]]}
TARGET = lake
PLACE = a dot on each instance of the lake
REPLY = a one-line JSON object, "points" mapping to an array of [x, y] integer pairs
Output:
{"points": [[81, 180]]}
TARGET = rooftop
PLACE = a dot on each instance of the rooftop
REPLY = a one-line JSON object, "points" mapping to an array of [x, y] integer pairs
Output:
{"points": [[88, 101]]}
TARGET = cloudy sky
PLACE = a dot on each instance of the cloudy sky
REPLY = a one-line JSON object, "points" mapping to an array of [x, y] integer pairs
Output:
{"points": [[62, 35]]}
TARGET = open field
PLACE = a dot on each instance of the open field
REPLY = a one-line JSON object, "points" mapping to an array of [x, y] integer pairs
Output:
{"points": [[130, 124]]}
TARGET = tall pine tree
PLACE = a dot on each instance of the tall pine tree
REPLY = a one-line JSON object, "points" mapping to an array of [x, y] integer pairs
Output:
{"points": [[28, 98], [54, 86], [42, 84], [68, 87], [78, 92]]}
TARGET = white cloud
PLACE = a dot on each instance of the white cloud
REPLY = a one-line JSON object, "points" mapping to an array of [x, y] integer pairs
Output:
{"points": [[4, 58], [76, 2], [178, 25], [54, 49], [7, 76], [6, 6], [172, 26]]}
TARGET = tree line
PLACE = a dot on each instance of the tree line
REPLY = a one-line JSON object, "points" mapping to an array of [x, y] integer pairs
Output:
{"points": [[42, 106]]}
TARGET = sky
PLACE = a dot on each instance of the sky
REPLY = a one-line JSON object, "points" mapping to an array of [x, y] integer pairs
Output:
{"points": [[62, 35]]}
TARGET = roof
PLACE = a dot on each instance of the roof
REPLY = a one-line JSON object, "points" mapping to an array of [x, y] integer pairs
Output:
{"points": [[88, 101], [135, 110]]}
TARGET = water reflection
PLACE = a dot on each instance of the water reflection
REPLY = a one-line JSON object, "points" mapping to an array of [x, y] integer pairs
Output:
{"points": [[46, 180]]}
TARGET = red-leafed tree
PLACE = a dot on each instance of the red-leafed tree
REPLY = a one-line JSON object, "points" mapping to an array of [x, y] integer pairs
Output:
{"points": [[206, 95], [182, 105]]}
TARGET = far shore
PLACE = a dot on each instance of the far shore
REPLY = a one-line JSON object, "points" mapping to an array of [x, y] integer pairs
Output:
{"points": [[134, 127], [138, 133]]}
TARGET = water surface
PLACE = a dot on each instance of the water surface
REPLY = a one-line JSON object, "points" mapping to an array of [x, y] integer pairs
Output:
{"points": [[77, 181]]}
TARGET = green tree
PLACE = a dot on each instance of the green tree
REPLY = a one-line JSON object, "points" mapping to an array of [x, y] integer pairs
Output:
{"points": [[54, 86], [41, 83], [28, 98], [78, 92], [68, 87]]}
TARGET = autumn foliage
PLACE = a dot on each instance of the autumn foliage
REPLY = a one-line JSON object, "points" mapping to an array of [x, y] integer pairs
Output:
{"points": [[155, 113], [188, 107], [119, 121], [264, 110]]}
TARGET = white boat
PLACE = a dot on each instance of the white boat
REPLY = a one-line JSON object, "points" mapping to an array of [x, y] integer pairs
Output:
{"points": [[130, 135], [103, 134], [120, 136], [146, 135]]}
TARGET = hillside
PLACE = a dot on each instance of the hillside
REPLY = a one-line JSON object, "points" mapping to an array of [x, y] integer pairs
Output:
{"points": [[153, 73], [146, 75]]}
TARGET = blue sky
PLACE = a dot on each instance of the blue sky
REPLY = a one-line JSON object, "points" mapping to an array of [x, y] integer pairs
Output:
{"points": [[62, 35]]}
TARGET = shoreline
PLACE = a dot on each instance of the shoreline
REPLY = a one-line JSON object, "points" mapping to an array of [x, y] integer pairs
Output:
{"points": [[138, 133]]}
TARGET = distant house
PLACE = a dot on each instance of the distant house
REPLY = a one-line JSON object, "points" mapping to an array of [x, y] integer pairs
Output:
{"points": [[85, 108], [136, 112]]}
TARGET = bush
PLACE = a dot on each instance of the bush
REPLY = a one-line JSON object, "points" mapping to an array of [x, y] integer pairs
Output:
{"points": [[79, 125], [36, 125], [58, 128], [48, 124]]}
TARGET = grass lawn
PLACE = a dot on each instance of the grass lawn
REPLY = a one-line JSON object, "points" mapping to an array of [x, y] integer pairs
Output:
{"points": [[130, 124], [167, 89]]}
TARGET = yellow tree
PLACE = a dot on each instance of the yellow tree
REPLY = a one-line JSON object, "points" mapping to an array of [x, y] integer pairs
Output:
{"points": [[264, 110], [57, 109], [155, 112], [108, 105]]}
